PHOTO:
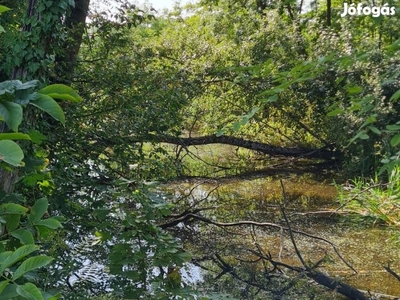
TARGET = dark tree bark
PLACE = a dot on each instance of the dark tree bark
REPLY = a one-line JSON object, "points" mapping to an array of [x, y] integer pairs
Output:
{"points": [[66, 62], [8, 178], [328, 12], [76, 23], [335, 285], [20, 71]]}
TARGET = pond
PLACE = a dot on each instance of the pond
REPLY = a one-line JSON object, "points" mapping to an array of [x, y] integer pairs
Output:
{"points": [[309, 204]]}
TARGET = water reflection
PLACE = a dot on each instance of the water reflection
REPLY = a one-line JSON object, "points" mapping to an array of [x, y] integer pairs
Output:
{"points": [[310, 206]]}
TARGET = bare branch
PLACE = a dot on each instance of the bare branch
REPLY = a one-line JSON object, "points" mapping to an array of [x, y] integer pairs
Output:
{"points": [[391, 272]]}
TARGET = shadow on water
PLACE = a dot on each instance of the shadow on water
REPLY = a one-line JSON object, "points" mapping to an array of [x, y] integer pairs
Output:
{"points": [[311, 208]]}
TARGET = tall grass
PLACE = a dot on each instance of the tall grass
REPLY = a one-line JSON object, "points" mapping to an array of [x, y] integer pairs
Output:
{"points": [[374, 199]]}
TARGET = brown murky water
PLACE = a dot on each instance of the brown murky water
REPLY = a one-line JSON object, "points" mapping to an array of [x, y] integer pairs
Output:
{"points": [[252, 191], [309, 204]]}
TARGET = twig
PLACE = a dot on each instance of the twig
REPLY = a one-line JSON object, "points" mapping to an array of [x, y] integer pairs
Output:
{"points": [[260, 224], [289, 227], [391, 272]]}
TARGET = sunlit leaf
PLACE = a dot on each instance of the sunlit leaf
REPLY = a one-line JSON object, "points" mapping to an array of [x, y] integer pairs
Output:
{"points": [[12, 208], [236, 126], [4, 9], [354, 90], [335, 112], [30, 264], [50, 223], [50, 106], [62, 92], [17, 255], [14, 136]]}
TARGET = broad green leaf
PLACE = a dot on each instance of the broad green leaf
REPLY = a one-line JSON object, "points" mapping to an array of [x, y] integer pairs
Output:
{"points": [[62, 92], [4, 255], [374, 129], [17, 255], [393, 127], [9, 292], [12, 208], [12, 222], [103, 235], [30, 264], [4, 9], [14, 136], [24, 236], [23, 97], [393, 47], [244, 121], [3, 284], [50, 223], [43, 231], [395, 140], [7, 87], [26, 85], [11, 153], [367, 108], [236, 126], [273, 98], [335, 112], [395, 96], [11, 113], [49, 105], [48, 296], [38, 210], [361, 135], [181, 258], [36, 137], [29, 291], [354, 90], [220, 132], [101, 214]]}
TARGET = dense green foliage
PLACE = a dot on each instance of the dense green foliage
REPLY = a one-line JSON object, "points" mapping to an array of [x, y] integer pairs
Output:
{"points": [[277, 73]]}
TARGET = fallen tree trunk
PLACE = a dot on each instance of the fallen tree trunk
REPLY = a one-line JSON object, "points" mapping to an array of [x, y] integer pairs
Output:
{"points": [[322, 153], [335, 285]]}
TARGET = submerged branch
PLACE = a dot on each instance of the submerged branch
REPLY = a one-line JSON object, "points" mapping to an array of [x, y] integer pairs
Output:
{"points": [[391, 272], [193, 216]]}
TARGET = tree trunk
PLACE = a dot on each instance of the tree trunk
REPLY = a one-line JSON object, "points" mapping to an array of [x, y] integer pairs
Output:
{"points": [[335, 285], [328, 12], [9, 177], [252, 145], [76, 22]]}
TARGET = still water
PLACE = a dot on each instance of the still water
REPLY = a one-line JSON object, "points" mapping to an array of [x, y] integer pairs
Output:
{"points": [[309, 204]]}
